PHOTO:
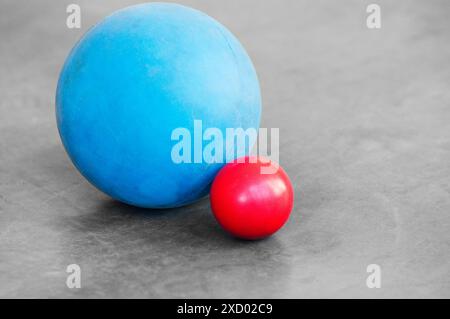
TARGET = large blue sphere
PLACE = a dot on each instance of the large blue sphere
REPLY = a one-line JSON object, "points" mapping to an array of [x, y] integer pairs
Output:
{"points": [[135, 77]]}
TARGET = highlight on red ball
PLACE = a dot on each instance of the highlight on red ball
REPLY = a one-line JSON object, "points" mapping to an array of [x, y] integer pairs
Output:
{"points": [[252, 197]]}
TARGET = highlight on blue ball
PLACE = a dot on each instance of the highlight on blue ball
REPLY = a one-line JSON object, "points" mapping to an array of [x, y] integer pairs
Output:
{"points": [[137, 76]]}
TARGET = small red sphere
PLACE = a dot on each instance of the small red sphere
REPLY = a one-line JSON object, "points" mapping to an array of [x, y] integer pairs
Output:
{"points": [[252, 197]]}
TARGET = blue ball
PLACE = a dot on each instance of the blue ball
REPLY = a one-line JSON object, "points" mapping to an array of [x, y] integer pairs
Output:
{"points": [[133, 79]]}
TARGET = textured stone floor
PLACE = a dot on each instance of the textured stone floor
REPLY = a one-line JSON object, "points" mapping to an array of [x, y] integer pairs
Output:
{"points": [[364, 118]]}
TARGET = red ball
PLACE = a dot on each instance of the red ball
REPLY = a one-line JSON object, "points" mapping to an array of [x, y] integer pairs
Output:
{"points": [[250, 203]]}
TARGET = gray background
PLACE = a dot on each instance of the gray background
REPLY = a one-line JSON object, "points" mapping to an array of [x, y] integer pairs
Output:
{"points": [[364, 125]]}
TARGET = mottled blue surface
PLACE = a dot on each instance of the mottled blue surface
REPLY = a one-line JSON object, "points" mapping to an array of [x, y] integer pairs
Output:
{"points": [[136, 76]]}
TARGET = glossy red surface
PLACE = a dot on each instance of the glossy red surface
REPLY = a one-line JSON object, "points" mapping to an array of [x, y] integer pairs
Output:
{"points": [[250, 204]]}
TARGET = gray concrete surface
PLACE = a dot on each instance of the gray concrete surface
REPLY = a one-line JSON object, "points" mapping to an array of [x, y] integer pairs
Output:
{"points": [[364, 118]]}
